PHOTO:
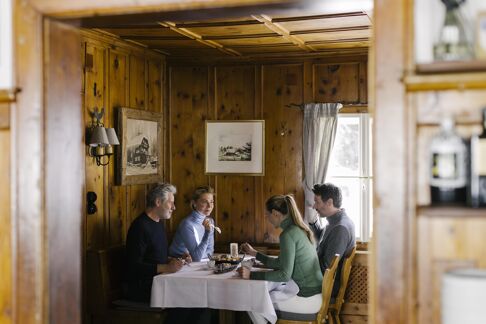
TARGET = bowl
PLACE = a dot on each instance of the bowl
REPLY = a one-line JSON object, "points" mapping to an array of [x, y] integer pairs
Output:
{"points": [[226, 258]]}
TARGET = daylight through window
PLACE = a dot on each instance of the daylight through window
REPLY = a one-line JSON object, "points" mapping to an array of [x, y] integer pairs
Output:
{"points": [[350, 168]]}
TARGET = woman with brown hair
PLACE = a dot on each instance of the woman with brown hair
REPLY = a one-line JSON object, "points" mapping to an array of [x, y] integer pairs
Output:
{"points": [[297, 264]]}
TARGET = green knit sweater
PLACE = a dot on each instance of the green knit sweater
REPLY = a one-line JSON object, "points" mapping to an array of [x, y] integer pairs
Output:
{"points": [[297, 261]]}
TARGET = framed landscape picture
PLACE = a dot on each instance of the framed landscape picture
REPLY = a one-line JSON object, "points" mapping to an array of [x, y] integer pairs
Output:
{"points": [[140, 154], [235, 147]]}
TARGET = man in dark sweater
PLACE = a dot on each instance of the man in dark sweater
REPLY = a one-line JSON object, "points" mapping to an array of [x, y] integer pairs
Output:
{"points": [[146, 247], [338, 237]]}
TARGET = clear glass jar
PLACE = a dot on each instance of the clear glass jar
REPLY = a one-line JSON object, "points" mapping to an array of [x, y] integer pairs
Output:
{"points": [[453, 43]]}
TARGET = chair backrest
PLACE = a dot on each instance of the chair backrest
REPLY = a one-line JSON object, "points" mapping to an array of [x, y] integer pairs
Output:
{"points": [[343, 280], [104, 277], [327, 284]]}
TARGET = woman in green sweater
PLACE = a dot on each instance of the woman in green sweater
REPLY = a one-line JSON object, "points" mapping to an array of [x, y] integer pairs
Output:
{"points": [[296, 266]]}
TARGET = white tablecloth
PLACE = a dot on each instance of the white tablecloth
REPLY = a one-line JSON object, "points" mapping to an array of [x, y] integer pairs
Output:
{"points": [[196, 286]]}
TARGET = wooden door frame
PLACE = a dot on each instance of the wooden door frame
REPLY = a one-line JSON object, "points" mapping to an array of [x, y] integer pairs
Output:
{"points": [[35, 205]]}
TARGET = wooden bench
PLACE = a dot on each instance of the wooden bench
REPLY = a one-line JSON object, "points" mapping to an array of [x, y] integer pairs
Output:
{"points": [[104, 292]]}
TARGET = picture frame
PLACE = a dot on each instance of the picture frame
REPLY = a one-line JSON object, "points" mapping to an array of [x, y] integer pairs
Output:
{"points": [[235, 147], [140, 154]]}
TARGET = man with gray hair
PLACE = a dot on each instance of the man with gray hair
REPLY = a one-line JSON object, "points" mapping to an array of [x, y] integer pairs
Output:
{"points": [[146, 246]]}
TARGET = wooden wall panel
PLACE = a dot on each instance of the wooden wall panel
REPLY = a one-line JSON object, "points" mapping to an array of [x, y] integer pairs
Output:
{"points": [[189, 109], [337, 82], [445, 243], [6, 266], [117, 80], [137, 99], [125, 76], [94, 97], [154, 83], [234, 100], [137, 82], [282, 85]]}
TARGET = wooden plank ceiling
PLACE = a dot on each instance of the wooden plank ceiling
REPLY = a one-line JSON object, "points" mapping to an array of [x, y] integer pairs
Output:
{"points": [[253, 36]]}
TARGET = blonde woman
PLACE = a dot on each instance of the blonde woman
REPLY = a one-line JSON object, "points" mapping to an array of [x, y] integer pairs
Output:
{"points": [[195, 233], [297, 265]]}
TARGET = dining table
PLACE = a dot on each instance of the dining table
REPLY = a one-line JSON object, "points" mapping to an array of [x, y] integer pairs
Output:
{"points": [[198, 286]]}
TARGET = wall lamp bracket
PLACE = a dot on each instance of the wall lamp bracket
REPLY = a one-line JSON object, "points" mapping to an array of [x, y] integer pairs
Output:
{"points": [[100, 139]]}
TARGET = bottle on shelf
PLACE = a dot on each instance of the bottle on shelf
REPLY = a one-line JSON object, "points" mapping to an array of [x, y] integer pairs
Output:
{"points": [[448, 156], [477, 186], [453, 43]]}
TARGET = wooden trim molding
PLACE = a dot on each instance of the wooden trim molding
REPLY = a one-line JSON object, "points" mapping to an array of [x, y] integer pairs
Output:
{"points": [[8, 95], [4, 116]]}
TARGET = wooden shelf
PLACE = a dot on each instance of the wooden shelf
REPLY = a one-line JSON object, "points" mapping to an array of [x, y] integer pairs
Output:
{"points": [[447, 81], [450, 211], [8, 95], [452, 67]]}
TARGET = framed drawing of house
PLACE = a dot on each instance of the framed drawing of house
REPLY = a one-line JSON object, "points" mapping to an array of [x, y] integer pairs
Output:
{"points": [[235, 147], [140, 153]]}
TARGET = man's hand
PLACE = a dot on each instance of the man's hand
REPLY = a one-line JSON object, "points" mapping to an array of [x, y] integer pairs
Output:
{"points": [[248, 249], [174, 265], [187, 257], [244, 272]]}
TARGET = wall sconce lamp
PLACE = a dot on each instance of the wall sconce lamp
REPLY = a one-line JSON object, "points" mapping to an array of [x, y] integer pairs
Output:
{"points": [[100, 139]]}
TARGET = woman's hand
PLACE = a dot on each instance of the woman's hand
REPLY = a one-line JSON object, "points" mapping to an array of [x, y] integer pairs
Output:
{"points": [[244, 272], [248, 249], [207, 224]]}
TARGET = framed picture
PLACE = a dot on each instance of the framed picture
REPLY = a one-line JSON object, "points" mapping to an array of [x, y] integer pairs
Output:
{"points": [[235, 147], [140, 153]]}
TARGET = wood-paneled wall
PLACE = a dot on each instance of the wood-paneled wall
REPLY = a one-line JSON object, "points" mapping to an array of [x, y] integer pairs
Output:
{"points": [[116, 74], [250, 91]]}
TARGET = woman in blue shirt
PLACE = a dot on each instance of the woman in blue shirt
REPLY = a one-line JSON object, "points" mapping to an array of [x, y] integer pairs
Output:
{"points": [[195, 233]]}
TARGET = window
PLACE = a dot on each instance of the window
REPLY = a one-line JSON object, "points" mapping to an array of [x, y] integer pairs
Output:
{"points": [[350, 168]]}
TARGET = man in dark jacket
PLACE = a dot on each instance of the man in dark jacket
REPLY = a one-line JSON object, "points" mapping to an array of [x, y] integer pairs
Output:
{"points": [[338, 237], [146, 247]]}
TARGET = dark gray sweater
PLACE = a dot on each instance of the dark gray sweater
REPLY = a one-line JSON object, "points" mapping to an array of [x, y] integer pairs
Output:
{"points": [[336, 238]]}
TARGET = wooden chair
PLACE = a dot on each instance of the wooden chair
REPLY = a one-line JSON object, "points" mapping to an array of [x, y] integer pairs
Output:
{"points": [[337, 303], [104, 292], [321, 316]]}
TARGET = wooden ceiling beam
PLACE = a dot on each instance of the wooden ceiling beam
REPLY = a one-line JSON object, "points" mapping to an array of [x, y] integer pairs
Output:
{"points": [[329, 30], [152, 37], [217, 24], [241, 36], [198, 38], [283, 32], [341, 40], [131, 26], [314, 17]]}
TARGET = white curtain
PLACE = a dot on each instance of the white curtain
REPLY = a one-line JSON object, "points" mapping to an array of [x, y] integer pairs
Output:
{"points": [[320, 124]]}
